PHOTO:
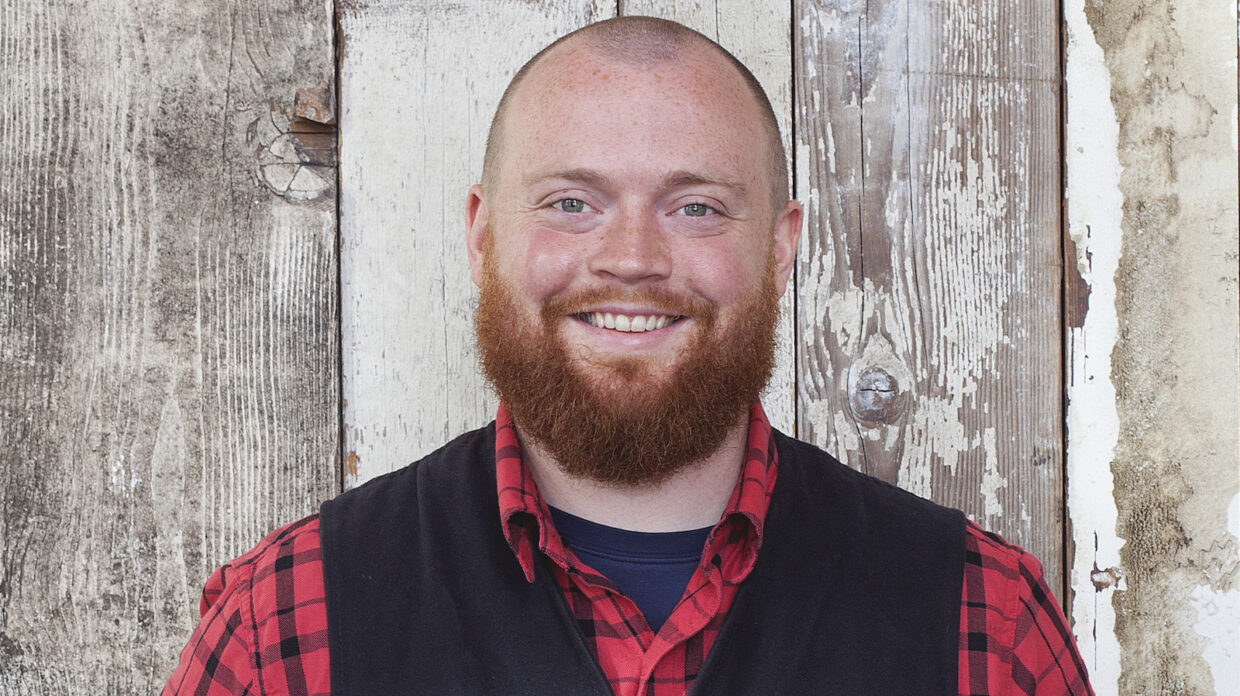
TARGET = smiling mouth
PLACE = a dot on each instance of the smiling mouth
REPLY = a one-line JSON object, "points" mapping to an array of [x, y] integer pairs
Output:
{"points": [[631, 323]]}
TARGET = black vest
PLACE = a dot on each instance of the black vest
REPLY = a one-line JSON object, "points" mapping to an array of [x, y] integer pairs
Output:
{"points": [[856, 590]]}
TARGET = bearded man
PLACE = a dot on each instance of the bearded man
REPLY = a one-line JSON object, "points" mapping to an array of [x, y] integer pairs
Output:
{"points": [[630, 523]]}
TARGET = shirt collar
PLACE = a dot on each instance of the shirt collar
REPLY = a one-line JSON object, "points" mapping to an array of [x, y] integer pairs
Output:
{"points": [[732, 544]]}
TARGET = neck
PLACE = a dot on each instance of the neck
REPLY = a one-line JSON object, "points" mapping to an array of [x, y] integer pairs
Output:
{"points": [[691, 498]]}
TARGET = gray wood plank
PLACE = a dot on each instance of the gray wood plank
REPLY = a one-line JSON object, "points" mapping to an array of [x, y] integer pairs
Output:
{"points": [[168, 360], [928, 306]]}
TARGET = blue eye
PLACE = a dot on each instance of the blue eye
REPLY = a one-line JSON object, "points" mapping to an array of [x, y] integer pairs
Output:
{"points": [[697, 210], [571, 205]]}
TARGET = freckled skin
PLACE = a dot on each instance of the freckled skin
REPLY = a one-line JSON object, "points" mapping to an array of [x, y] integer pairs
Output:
{"points": [[632, 128]]}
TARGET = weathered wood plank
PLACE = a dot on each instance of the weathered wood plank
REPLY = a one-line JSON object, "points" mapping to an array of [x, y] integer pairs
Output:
{"points": [[928, 302], [168, 361], [417, 100], [759, 34]]}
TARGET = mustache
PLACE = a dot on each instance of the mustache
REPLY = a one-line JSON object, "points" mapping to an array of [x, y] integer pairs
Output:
{"points": [[657, 299]]}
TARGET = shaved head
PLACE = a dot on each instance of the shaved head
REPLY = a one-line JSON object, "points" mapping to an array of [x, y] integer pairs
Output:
{"points": [[642, 43]]}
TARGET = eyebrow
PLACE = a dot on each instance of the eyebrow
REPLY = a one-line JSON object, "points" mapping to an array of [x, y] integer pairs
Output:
{"points": [[681, 178], [675, 179], [588, 177]]}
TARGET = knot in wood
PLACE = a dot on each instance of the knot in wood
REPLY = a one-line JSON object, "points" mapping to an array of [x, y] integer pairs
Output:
{"points": [[876, 397]]}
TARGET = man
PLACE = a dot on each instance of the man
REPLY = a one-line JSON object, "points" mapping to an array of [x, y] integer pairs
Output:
{"points": [[630, 523]]}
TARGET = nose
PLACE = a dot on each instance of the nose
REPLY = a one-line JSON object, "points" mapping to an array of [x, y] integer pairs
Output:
{"points": [[632, 249]]}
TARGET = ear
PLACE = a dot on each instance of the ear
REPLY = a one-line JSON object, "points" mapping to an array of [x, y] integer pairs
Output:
{"points": [[475, 230], [787, 236]]}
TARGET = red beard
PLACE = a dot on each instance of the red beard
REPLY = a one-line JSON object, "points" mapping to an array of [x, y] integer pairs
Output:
{"points": [[630, 422]]}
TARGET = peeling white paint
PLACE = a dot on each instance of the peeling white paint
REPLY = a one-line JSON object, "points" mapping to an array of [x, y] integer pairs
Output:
{"points": [[1095, 213], [1218, 620], [937, 428], [992, 480]]}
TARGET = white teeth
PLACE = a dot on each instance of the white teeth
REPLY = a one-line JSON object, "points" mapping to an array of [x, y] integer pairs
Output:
{"points": [[631, 324]]}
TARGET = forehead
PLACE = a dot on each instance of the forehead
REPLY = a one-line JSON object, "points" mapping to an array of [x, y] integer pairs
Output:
{"points": [[688, 112]]}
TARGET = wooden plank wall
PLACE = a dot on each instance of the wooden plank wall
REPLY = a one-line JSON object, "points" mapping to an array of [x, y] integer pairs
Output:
{"points": [[181, 371], [168, 352], [169, 318], [922, 342]]}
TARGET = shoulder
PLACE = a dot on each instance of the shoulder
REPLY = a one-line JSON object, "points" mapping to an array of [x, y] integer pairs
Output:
{"points": [[286, 575], [293, 545], [992, 588], [1014, 637], [990, 553], [289, 609], [297, 540], [264, 621], [1003, 576]]}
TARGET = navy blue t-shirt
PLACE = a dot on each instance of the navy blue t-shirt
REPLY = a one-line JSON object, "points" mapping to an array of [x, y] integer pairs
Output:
{"points": [[651, 568]]}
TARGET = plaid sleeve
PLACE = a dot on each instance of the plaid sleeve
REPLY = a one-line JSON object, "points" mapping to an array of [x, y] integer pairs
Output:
{"points": [[1014, 638], [264, 622]]}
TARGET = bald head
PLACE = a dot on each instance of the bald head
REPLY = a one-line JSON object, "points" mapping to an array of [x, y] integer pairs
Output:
{"points": [[640, 43]]}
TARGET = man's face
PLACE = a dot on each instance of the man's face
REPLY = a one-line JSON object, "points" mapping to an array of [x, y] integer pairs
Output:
{"points": [[629, 248]]}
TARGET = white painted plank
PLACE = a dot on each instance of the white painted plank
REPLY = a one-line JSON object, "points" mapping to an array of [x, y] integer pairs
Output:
{"points": [[419, 83], [1095, 212]]}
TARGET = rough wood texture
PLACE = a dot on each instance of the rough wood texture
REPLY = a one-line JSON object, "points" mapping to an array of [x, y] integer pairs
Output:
{"points": [[758, 34], [417, 96], [168, 388], [1153, 226], [928, 286]]}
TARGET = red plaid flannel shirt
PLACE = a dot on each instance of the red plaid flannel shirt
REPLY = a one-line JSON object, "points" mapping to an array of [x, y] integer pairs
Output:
{"points": [[263, 627]]}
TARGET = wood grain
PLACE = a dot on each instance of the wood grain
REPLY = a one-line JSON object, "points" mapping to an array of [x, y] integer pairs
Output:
{"points": [[928, 286], [168, 361], [419, 83], [759, 35]]}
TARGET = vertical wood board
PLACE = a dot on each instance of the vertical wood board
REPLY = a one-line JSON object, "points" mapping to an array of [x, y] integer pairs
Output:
{"points": [[928, 282], [419, 84], [168, 387]]}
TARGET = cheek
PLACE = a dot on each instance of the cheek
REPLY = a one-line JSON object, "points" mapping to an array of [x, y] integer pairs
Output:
{"points": [[725, 275], [550, 264]]}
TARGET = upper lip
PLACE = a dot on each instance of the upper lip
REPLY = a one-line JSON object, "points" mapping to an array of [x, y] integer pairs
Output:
{"points": [[634, 312]]}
